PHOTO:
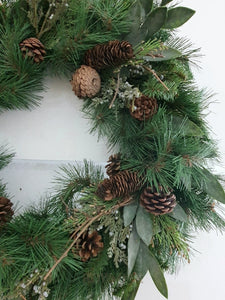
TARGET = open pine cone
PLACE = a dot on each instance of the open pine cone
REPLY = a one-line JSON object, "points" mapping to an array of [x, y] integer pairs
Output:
{"points": [[89, 245], [33, 48], [158, 202], [113, 166], [143, 108], [86, 82], [121, 184], [6, 211], [113, 53]]}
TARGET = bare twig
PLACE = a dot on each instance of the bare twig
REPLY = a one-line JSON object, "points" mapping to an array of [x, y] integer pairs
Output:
{"points": [[82, 229], [156, 76], [22, 297], [117, 90]]}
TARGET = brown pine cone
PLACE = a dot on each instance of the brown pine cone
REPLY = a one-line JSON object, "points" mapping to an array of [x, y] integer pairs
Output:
{"points": [[33, 48], [6, 211], [89, 245], [121, 184], [86, 82], [113, 166], [158, 202], [143, 108], [113, 53]]}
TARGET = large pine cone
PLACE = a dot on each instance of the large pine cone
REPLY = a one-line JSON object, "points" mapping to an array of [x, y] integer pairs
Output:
{"points": [[6, 211], [113, 53], [33, 48], [113, 166], [122, 184], [158, 202], [143, 108], [86, 82], [89, 245]]}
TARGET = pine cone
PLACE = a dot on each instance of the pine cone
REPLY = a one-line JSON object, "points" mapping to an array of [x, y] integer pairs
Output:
{"points": [[121, 184], [158, 202], [113, 166], [86, 82], [143, 108], [89, 245], [6, 211], [33, 48], [113, 53]]}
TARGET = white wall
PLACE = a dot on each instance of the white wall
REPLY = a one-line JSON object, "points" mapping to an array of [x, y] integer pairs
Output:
{"points": [[56, 131]]}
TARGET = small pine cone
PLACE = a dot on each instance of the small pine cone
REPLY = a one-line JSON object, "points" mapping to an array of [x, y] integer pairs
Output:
{"points": [[113, 166], [6, 211], [158, 202], [143, 108], [121, 184], [86, 82], [113, 53], [89, 245], [33, 48]]}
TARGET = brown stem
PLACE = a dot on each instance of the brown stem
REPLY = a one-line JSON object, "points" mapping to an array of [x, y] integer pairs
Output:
{"points": [[156, 76], [22, 297], [42, 30], [84, 228], [117, 90]]}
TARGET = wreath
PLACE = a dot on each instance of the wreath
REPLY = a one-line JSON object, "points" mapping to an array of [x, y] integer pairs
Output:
{"points": [[95, 237]]}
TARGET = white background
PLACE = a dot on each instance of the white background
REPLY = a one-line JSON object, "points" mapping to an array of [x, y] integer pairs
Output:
{"points": [[57, 132]]}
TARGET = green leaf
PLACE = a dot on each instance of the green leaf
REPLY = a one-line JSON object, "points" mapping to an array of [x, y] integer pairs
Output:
{"points": [[141, 265], [144, 225], [155, 21], [129, 213], [157, 275], [165, 2], [213, 187], [178, 16], [162, 55], [133, 248], [179, 214], [147, 261], [147, 5], [189, 128]]}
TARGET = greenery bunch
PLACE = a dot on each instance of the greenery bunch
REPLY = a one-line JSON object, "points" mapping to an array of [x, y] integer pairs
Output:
{"points": [[171, 151]]}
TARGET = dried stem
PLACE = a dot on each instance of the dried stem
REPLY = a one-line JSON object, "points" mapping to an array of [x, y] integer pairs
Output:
{"points": [[22, 297], [82, 229], [156, 76], [42, 30], [117, 90]]}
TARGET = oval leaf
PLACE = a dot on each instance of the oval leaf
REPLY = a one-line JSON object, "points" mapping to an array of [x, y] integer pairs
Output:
{"points": [[155, 21], [157, 275], [141, 265], [178, 16], [213, 187], [163, 55], [147, 5], [133, 249], [129, 213], [144, 225], [165, 2], [179, 214]]}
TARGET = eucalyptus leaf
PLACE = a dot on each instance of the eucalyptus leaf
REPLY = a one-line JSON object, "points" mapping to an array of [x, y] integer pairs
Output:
{"points": [[162, 55], [147, 5], [179, 214], [155, 21], [178, 16], [189, 128], [213, 187], [129, 213], [144, 225], [133, 248], [141, 265], [157, 275], [165, 2]]}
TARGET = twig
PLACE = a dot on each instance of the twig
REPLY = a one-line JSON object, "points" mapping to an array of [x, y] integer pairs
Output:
{"points": [[22, 297], [42, 30], [84, 228], [156, 76], [117, 90]]}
